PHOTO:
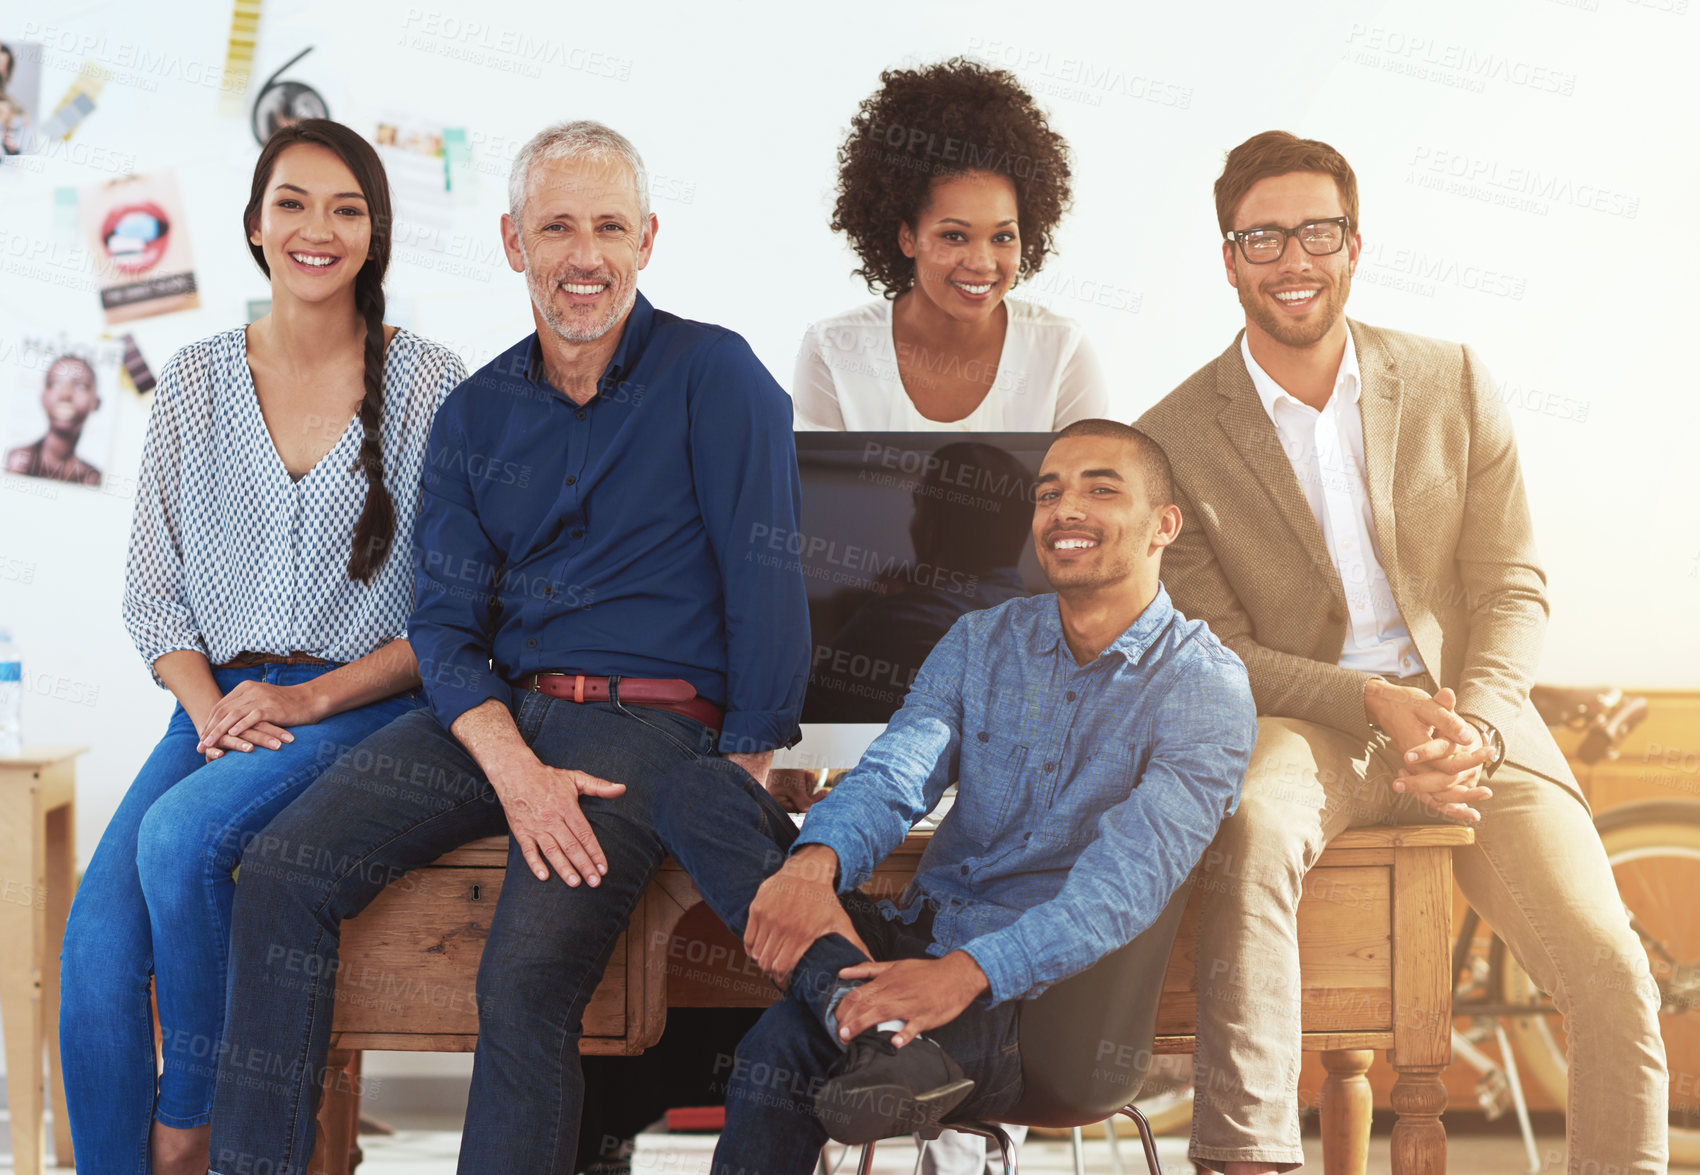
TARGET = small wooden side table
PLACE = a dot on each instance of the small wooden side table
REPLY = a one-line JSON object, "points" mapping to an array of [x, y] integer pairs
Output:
{"points": [[38, 856]]}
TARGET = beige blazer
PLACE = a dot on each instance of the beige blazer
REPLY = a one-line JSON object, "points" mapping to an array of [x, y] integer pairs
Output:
{"points": [[1451, 527]]}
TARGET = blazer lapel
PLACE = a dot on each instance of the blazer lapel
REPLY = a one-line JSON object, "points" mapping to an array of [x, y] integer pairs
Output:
{"points": [[1379, 407], [1252, 432]]}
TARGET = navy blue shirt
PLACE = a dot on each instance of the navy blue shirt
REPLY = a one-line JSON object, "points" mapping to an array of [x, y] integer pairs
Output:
{"points": [[630, 535]]}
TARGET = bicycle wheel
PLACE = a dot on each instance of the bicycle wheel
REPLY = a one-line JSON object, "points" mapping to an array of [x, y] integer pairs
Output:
{"points": [[1654, 850]]}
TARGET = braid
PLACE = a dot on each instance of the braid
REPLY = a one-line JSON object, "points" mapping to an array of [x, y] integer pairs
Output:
{"points": [[375, 532]]}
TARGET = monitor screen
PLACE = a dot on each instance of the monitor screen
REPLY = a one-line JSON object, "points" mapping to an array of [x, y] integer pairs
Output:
{"points": [[901, 534]]}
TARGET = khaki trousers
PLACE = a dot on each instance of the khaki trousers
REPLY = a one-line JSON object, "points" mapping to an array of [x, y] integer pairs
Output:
{"points": [[1537, 873]]}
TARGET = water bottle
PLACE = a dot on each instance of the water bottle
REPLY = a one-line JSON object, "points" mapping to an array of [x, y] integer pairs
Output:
{"points": [[11, 696]]}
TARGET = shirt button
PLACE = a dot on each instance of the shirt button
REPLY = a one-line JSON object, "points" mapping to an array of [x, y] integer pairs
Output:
{"points": [[578, 533], [571, 480], [965, 871], [1025, 837], [983, 736], [1050, 766], [531, 642], [1071, 695], [580, 413], [548, 591]]}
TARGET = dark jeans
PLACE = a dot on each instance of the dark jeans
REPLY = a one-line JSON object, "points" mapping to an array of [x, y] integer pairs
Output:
{"points": [[399, 800], [771, 1128]]}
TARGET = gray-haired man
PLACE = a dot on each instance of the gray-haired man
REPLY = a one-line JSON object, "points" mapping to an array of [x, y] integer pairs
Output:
{"points": [[598, 650]]}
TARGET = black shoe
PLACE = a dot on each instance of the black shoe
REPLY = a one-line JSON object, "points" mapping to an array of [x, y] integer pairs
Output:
{"points": [[878, 1091]]}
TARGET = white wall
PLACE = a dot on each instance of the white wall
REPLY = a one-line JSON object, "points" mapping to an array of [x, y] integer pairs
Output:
{"points": [[1586, 315]]}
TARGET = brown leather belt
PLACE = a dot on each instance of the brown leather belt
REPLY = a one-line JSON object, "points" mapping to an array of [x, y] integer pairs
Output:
{"points": [[661, 693], [247, 659]]}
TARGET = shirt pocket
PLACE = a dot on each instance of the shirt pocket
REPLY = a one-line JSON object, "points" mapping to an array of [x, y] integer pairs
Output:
{"points": [[991, 780], [1104, 780]]}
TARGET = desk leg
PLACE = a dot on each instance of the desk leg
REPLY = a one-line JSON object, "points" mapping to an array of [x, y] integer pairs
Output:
{"points": [[22, 929], [1346, 1107], [1419, 1138], [339, 1115], [356, 1062], [1422, 1006], [61, 880]]}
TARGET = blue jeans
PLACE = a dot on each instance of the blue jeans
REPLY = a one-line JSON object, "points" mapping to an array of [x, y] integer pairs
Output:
{"points": [[401, 799], [156, 900]]}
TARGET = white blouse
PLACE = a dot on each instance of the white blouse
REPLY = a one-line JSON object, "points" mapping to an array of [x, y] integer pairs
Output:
{"points": [[847, 377], [229, 553]]}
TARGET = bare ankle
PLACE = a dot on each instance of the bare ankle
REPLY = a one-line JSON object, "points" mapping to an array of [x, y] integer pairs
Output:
{"points": [[178, 1151]]}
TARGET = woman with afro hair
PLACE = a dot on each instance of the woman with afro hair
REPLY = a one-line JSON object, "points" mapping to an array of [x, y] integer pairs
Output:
{"points": [[950, 187]]}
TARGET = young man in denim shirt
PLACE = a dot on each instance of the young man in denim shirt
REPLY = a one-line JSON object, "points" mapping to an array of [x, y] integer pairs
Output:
{"points": [[1097, 739]]}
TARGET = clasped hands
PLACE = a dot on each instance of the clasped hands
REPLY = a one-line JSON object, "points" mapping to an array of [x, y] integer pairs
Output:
{"points": [[799, 904], [1441, 754], [254, 714]]}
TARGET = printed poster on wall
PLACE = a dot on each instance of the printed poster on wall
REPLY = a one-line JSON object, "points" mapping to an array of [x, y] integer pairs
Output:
{"points": [[60, 418], [140, 241]]}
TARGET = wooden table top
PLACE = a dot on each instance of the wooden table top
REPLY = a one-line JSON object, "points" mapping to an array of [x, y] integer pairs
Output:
{"points": [[41, 756]]}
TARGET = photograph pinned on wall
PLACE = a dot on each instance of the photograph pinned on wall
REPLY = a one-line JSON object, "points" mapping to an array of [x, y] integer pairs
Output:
{"points": [[414, 155], [281, 102], [20, 96], [137, 232], [62, 399]]}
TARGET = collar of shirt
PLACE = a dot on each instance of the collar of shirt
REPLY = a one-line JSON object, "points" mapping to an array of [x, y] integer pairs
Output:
{"points": [[1131, 644], [626, 351], [1271, 393]]}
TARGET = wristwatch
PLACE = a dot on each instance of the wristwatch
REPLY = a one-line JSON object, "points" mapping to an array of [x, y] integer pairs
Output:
{"points": [[1495, 743]]}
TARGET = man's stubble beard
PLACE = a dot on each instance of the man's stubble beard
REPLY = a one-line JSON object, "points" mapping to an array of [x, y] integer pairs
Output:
{"points": [[1287, 332], [542, 297], [1112, 572]]}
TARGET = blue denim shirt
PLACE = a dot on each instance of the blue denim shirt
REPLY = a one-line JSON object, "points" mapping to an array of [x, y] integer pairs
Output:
{"points": [[1086, 794]]}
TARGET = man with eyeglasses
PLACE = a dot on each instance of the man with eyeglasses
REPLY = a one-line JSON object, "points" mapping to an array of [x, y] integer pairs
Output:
{"points": [[1358, 534]]}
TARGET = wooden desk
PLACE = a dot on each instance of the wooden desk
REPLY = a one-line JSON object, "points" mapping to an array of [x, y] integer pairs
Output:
{"points": [[38, 848], [1660, 760], [409, 966]]}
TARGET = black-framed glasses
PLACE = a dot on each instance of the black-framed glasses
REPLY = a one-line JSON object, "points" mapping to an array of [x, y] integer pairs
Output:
{"points": [[1319, 238]]}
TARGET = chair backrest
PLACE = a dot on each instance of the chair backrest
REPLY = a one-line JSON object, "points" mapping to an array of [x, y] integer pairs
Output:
{"points": [[1086, 1042]]}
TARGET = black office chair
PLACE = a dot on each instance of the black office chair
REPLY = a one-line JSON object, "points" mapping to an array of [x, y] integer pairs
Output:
{"points": [[1086, 1043]]}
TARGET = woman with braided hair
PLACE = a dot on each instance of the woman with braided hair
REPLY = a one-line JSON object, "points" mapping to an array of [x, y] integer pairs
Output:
{"points": [[951, 184], [268, 588]]}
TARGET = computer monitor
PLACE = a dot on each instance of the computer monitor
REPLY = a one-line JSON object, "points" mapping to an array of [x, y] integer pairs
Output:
{"points": [[901, 534]]}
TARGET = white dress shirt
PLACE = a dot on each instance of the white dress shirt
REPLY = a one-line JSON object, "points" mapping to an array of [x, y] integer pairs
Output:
{"points": [[847, 377], [1326, 449]]}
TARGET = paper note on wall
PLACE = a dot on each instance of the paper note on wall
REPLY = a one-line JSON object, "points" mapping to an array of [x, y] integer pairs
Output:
{"points": [[239, 55], [77, 104]]}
